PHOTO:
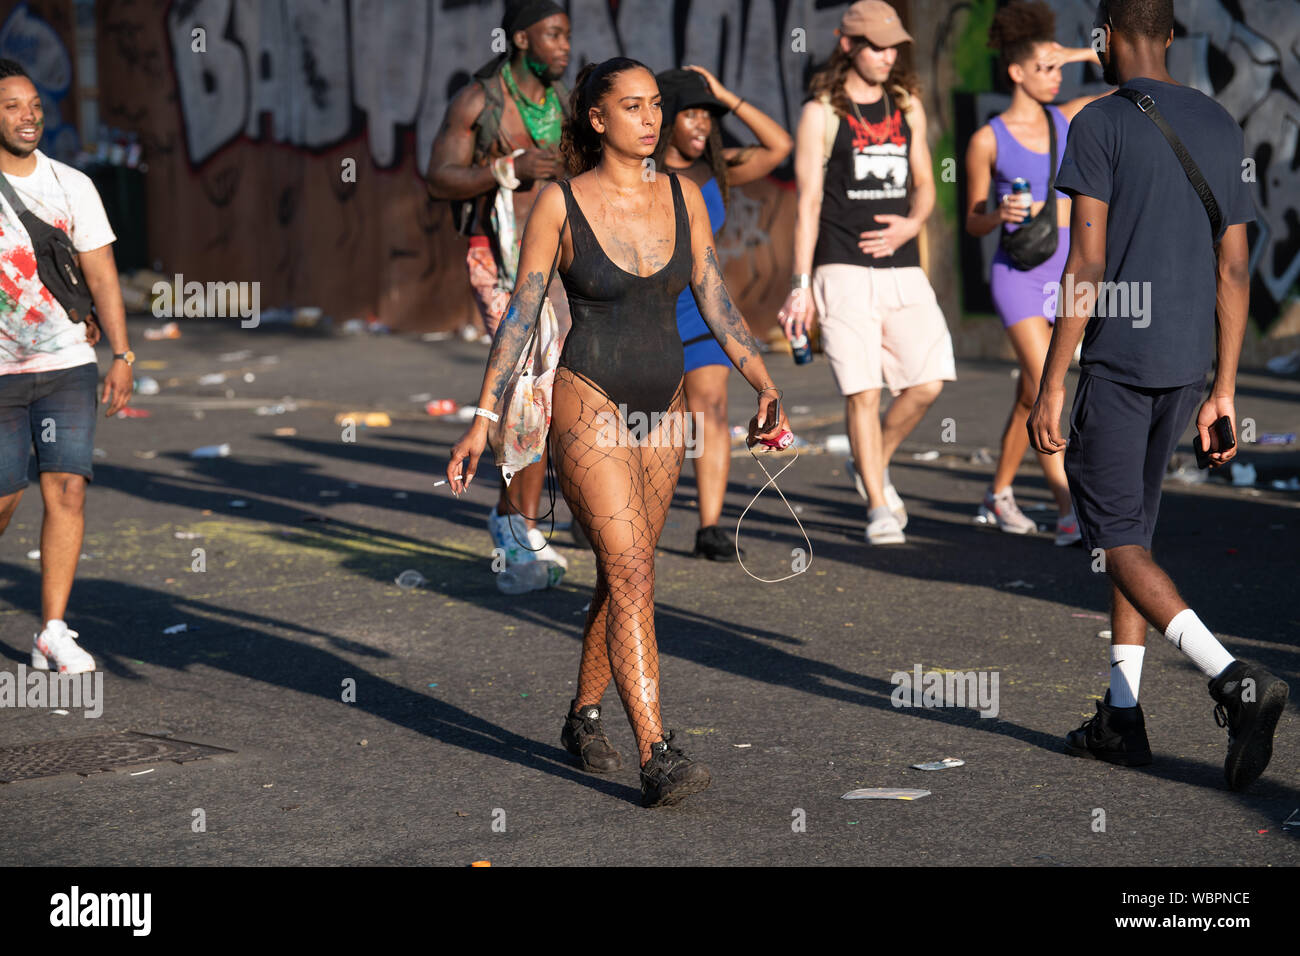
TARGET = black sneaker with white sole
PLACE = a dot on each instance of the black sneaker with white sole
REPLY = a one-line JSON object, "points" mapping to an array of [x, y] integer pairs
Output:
{"points": [[1116, 735], [1249, 700], [669, 775], [584, 737]]}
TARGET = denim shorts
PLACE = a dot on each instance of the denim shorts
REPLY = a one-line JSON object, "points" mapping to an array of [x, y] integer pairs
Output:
{"points": [[52, 413]]}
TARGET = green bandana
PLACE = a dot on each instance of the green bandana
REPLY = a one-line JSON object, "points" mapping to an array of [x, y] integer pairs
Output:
{"points": [[544, 120]]}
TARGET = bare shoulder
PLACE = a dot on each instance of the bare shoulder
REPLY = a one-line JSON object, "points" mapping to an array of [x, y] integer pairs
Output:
{"points": [[984, 141], [467, 105]]}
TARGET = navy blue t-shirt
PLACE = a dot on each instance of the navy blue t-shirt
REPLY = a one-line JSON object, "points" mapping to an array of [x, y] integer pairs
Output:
{"points": [[1159, 250]]}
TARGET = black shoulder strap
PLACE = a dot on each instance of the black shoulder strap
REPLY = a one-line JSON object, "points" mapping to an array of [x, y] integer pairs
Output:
{"points": [[11, 197], [1146, 104], [1051, 138]]}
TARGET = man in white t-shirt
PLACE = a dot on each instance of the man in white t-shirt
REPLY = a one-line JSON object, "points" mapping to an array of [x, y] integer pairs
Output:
{"points": [[48, 373]]}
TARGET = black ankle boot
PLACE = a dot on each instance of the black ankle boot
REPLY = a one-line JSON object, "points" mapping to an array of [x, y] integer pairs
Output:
{"points": [[715, 544], [669, 775], [584, 737]]}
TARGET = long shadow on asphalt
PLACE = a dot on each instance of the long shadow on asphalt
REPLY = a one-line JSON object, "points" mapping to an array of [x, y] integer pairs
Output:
{"points": [[126, 623], [712, 642]]}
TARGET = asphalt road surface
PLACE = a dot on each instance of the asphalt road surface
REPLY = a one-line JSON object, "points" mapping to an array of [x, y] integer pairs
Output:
{"points": [[450, 753]]}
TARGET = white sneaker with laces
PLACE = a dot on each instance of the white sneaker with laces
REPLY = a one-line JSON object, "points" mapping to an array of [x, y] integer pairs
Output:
{"points": [[892, 498], [1001, 509], [542, 550], [1067, 530], [895, 501], [884, 529], [55, 648]]}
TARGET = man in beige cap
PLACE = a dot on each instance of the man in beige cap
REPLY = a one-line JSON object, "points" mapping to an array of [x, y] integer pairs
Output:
{"points": [[865, 187]]}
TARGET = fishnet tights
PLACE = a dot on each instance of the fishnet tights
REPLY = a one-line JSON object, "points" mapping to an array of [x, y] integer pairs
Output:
{"points": [[619, 492]]}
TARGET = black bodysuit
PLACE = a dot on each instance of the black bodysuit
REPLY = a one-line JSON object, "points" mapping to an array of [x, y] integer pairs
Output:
{"points": [[624, 338]]}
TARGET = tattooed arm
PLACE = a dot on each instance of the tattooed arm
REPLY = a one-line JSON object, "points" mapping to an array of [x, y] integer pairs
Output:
{"points": [[724, 319], [537, 253]]}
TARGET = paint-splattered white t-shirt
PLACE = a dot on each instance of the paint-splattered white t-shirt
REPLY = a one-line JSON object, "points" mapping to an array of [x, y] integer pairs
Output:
{"points": [[35, 332]]}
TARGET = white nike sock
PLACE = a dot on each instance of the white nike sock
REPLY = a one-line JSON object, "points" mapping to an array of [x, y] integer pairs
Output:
{"points": [[1125, 673], [1189, 635]]}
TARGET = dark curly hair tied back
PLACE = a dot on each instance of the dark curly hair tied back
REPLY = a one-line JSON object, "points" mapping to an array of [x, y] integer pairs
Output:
{"points": [[579, 142], [1019, 27]]}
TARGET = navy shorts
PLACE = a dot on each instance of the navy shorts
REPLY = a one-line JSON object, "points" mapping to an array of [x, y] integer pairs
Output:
{"points": [[52, 413], [1121, 439]]}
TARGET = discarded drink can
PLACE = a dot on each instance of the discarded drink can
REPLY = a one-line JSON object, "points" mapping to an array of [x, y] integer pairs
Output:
{"points": [[783, 440]]}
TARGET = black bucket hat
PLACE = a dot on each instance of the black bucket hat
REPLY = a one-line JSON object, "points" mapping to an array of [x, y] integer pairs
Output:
{"points": [[686, 89]]}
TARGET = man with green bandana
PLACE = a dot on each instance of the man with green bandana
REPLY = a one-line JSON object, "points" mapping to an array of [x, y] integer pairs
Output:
{"points": [[497, 149]]}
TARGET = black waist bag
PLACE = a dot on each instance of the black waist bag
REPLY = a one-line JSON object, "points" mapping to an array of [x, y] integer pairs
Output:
{"points": [[56, 259], [1036, 240]]}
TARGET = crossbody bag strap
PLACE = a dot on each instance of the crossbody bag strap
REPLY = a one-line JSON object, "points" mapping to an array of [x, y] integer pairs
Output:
{"points": [[7, 190], [1147, 105], [1051, 176]]}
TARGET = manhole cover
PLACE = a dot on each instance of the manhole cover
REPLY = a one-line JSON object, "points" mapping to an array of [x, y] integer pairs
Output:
{"points": [[99, 753]]}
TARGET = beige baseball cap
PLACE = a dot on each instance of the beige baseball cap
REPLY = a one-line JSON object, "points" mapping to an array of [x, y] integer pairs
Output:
{"points": [[875, 20]]}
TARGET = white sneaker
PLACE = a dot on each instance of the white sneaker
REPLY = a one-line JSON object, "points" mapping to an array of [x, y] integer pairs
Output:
{"points": [[1002, 510], [885, 530], [895, 501], [542, 550], [892, 498], [56, 648], [510, 534], [1067, 530]]}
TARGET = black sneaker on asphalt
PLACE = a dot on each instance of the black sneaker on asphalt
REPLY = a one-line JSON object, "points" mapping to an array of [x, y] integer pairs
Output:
{"points": [[669, 775], [1249, 701], [1116, 735], [585, 739], [715, 544]]}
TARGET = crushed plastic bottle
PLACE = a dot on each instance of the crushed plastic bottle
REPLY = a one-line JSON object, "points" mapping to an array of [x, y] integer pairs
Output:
{"points": [[524, 577], [212, 451], [410, 579]]}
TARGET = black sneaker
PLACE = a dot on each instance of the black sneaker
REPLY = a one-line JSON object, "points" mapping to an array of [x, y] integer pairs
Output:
{"points": [[585, 739], [715, 544], [1114, 734], [669, 775], [1250, 722]]}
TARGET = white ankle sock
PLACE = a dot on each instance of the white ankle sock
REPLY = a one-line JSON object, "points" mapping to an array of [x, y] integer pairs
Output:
{"points": [[1125, 673], [1189, 635]]}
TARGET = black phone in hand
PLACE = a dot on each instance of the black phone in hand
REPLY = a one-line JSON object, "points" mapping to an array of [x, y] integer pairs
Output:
{"points": [[1221, 439]]}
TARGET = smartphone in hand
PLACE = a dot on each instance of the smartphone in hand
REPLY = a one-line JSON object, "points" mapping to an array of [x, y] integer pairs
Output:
{"points": [[1221, 439]]}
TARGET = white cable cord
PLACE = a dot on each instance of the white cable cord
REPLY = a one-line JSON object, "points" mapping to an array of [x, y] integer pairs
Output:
{"points": [[771, 480]]}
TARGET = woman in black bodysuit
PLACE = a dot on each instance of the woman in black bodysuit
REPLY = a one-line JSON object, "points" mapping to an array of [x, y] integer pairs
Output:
{"points": [[631, 241]]}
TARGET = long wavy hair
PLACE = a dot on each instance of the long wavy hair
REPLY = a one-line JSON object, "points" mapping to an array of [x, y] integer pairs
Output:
{"points": [[580, 144], [713, 154], [902, 83]]}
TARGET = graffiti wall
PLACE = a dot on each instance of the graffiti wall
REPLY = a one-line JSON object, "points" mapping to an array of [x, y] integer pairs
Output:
{"points": [[249, 110]]}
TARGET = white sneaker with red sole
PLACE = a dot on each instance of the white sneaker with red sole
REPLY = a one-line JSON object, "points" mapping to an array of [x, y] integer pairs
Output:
{"points": [[55, 648]]}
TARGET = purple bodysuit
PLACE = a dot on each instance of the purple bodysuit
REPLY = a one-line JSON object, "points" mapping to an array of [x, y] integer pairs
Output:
{"points": [[1018, 295]]}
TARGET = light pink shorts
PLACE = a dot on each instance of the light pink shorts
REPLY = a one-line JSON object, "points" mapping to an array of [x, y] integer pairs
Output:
{"points": [[881, 327]]}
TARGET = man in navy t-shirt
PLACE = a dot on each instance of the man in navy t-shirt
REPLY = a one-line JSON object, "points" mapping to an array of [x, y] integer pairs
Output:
{"points": [[1145, 282]]}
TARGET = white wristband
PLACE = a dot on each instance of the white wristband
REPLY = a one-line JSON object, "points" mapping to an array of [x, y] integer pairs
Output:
{"points": [[486, 414]]}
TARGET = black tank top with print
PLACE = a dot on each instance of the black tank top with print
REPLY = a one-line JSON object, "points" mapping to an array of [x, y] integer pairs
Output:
{"points": [[869, 173]]}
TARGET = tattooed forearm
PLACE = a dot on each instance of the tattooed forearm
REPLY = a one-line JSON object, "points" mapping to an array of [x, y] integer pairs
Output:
{"points": [[512, 337], [726, 323]]}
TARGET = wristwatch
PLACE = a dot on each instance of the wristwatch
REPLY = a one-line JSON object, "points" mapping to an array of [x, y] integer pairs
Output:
{"points": [[128, 357]]}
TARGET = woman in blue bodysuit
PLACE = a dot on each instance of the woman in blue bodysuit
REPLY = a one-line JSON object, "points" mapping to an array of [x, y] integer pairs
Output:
{"points": [[690, 145]]}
